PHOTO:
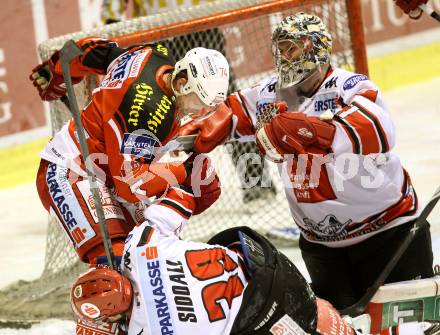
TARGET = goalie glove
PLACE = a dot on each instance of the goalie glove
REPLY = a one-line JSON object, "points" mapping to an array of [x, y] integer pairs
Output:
{"points": [[47, 79], [213, 129], [294, 133], [411, 7]]}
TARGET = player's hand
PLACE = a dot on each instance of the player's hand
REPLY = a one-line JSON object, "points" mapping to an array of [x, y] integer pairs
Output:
{"points": [[202, 179], [49, 83], [213, 129], [411, 7], [294, 133]]}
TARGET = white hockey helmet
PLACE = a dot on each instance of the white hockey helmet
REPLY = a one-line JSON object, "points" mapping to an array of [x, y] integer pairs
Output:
{"points": [[208, 75]]}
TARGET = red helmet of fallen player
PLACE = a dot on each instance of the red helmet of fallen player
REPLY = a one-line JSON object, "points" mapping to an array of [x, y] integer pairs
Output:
{"points": [[101, 294]]}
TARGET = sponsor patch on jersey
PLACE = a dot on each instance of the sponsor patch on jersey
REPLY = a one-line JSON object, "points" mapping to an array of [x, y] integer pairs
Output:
{"points": [[126, 66], [138, 145], [161, 320], [61, 193], [353, 80], [111, 207], [286, 326], [323, 102]]}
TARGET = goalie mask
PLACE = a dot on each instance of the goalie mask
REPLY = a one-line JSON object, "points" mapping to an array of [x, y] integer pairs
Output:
{"points": [[100, 295], [300, 43], [208, 75]]}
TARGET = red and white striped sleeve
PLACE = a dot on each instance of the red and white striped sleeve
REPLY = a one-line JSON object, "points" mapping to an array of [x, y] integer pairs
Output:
{"points": [[172, 211], [364, 126]]}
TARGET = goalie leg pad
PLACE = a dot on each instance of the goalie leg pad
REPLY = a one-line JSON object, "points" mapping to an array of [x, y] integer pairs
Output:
{"points": [[276, 292], [69, 200]]}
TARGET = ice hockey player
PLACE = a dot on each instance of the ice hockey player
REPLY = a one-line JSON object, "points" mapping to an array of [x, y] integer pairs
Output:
{"points": [[237, 283], [346, 188], [131, 115], [411, 7]]}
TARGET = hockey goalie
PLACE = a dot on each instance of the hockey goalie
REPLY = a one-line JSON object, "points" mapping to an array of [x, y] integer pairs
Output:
{"points": [[331, 134]]}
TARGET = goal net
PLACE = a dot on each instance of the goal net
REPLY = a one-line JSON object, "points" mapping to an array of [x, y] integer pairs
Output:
{"points": [[252, 193]]}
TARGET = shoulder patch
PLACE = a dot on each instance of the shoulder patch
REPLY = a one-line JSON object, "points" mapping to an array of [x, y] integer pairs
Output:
{"points": [[353, 80]]}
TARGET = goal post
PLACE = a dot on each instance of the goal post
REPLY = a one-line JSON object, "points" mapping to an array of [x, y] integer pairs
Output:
{"points": [[241, 29]]}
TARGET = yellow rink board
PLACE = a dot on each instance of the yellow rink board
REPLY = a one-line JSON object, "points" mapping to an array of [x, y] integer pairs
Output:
{"points": [[19, 163]]}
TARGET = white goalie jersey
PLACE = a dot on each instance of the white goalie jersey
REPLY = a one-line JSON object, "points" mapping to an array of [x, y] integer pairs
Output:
{"points": [[358, 189], [180, 287]]}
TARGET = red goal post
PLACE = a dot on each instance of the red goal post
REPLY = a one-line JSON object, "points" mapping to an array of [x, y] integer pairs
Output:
{"points": [[355, 25], [245, 28]]}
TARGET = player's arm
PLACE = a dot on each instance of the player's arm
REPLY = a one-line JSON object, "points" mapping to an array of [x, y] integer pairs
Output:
{"points": [[364, 125], [136, 176], [97, 55], [235, 118], [196, 194]]}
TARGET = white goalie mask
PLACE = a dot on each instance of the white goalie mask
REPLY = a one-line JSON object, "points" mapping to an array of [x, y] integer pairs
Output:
{"points": [[208, 75]]}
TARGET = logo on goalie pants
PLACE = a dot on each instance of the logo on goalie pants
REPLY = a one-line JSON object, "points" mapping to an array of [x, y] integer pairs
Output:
{"points": [[330, 226]]}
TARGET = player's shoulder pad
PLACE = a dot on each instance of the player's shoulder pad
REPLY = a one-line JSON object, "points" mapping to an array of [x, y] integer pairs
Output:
{"points": [[350, 83]]}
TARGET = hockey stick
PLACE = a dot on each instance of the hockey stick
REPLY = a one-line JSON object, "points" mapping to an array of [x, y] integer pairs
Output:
{"points": [[431, 12], [67, 53], [359, 307]]}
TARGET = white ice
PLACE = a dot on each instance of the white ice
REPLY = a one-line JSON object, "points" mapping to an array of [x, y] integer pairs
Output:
{"points": [[415, 110]]}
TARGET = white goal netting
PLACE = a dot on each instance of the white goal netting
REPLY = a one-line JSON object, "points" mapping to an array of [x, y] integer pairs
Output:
{"points": [[251, 189]]}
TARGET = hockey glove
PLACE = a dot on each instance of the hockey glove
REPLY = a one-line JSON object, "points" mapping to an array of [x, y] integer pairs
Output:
{"points": [[294, 133], [330, 321], [98, 259], [48, 81], [213, 129], [411, 7], [203, 182]]}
